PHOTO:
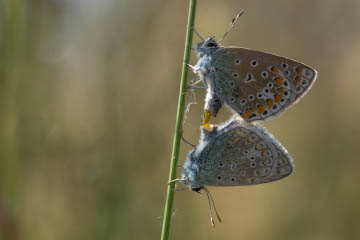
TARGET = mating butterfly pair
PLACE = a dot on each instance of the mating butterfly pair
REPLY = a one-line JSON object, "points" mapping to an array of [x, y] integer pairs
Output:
{"points": [[256, 86]]}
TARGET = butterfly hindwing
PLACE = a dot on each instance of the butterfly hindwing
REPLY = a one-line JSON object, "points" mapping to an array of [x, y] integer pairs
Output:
{"points": [[243, 154]]}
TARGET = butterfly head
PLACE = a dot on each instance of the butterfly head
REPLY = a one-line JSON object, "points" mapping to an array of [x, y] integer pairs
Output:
{"points": [[190, 173], [206, 47]]}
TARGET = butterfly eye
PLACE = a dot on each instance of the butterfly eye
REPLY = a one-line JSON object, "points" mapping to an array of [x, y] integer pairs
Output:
{"points": [[211, 44], [196, 189]]}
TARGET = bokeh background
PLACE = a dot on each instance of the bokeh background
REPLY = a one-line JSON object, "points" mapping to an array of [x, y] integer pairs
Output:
{"points": [[88, 96]]}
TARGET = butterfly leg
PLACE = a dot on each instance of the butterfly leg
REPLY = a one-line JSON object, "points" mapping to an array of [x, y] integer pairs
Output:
{"points": [[186, 141], [193, 85], [194, 68], [212, 107], [176, 181]]}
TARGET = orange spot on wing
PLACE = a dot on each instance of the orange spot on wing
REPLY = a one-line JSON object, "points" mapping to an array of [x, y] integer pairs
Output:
{"points": [[281, 91], [274, 69], [297, 80], [261, 109], [247, 114], [279, 80], [270, 102], [298, 69], [277, 98]]}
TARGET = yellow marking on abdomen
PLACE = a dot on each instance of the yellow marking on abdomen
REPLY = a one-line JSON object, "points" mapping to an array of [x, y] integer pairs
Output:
{"points": [[207, 117]]}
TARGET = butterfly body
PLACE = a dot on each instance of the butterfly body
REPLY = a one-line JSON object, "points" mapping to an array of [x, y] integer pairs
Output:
{"points": [[236, 153], [254, 84]]}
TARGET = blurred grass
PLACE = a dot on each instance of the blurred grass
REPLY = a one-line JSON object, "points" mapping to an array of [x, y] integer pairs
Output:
{"points": [[87, 107]]}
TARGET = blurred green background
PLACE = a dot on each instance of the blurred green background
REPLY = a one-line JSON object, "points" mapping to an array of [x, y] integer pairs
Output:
{"points": [[88, 96]]}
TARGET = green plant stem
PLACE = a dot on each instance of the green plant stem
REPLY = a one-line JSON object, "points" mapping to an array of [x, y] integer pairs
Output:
{"points": [[179, 121]]}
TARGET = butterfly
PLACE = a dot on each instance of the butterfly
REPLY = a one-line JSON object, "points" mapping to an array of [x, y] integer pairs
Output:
{"points": [[236, 153], [254, 84]]}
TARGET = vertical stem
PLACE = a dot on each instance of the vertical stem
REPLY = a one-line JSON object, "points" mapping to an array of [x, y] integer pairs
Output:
{"points": [[179, 121]]}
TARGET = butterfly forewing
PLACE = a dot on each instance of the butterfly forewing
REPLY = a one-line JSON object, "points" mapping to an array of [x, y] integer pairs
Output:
{"points": [[258, 85], [243, 154]]}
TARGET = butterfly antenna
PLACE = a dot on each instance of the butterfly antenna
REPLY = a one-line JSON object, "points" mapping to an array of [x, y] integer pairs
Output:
{"points": [[211, 202], [231, 25], [197, 34]]}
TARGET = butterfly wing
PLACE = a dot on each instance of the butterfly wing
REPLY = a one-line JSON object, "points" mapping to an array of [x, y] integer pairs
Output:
{"points": [[243, 154], [258, 85]]}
